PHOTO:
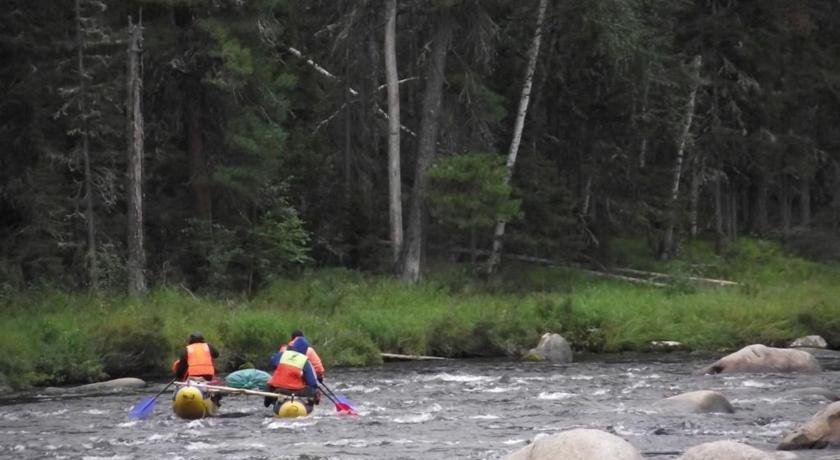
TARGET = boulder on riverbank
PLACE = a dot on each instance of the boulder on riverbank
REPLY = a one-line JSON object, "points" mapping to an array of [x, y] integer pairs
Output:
{"points": [[666, 345], [108, 385], [729, 450], [552, 347], [760, 358], [578, 443], [698, 402], [809, 341], [822, 430]]}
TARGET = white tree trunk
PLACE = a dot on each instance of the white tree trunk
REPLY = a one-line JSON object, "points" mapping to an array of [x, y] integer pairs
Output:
{"points": [[93, 263], [499, 232], [134, 188], [668, 239], [394, 179]]}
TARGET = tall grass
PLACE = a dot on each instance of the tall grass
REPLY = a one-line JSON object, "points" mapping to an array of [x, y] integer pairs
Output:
{"points": [[50, 337]]}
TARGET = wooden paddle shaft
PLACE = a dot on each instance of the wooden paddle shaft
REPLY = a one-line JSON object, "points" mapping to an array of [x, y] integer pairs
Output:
{"points": [[222, 389]]}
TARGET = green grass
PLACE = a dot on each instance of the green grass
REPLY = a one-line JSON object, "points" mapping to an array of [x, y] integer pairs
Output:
{"points": [[51, 337]]}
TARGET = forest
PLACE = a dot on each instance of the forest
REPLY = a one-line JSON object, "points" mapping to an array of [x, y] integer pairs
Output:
{"points": [[220, 147], [220, 144]]}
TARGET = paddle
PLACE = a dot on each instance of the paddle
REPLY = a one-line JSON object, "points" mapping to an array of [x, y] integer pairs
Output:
{"points": [[231, 390], [145, 407], [342, 404]]}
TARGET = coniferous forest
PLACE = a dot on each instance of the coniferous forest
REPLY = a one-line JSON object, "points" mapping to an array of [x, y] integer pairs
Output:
{"points": [[217, 146], [221, 143]]}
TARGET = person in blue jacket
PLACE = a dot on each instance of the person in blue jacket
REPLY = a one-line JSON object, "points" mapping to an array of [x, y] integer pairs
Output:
{"points": [[293, 373]]}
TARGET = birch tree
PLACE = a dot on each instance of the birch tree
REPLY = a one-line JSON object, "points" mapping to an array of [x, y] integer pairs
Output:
{"points": [[134, 187], [685, 131], [499, 231], [394, 179]]}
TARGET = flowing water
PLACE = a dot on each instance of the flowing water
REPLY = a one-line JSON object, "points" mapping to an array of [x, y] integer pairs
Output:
{"points": [[447, 409]]}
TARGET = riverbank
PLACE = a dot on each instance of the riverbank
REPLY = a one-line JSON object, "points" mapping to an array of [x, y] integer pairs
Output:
{"points": [[50, 337]]}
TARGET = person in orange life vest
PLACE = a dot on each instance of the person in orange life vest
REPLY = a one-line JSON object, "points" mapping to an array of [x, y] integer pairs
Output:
{"points": [[293, 372], [311, 355], [196, 359]]}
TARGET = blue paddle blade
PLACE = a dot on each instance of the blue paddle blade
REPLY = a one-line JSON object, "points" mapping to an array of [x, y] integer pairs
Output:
{"points": [[142, 409]]}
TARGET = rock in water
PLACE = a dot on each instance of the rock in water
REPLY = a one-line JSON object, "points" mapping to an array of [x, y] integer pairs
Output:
{"points": [[126, 382], [759, 358], [703, 401], [577, 444], [809, 341], [728, 450], [552, 347], [822, 430]]}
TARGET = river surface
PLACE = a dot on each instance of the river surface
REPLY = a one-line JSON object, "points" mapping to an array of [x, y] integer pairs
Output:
{"points": [[475, 409]]}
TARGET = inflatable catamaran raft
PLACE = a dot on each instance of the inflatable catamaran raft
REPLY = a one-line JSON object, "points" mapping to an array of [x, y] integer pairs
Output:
{"points": [[197, 399]]}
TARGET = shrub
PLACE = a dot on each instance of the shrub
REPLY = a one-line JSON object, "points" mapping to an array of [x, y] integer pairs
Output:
{"points": [[131, 344]]}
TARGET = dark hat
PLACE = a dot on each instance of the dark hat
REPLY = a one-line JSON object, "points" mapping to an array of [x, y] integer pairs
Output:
{"points": [[196, 337]]}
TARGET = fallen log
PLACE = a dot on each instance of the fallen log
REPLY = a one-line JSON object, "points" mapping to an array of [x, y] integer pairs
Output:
{"points": [[399, 357], [666, 275], [610, 274]]}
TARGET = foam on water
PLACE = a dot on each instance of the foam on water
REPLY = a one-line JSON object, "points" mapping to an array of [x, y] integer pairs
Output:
{"points": [[447, 377], [756, 384], [275, 424], [200, 446], [417, 418], [557, 395], [360, 389]]}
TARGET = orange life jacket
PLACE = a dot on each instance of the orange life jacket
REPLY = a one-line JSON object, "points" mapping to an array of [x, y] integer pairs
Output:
{"points": [[289, 373], [313, 358], [199, 360]]}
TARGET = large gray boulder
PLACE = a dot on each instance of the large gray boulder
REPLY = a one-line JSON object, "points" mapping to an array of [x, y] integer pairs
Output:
{"points": [[728, 450], [108, 385], [809, 341], [822, 430], [577, 444], [552, 347], [759, 358], [699, 402]]}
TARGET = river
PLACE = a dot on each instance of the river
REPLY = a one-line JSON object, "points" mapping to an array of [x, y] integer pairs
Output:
{"points": [[474, 409]]}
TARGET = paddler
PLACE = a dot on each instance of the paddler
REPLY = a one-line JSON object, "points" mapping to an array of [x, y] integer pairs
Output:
{"points": [[311, 355], [293, 373], [196, 361]]}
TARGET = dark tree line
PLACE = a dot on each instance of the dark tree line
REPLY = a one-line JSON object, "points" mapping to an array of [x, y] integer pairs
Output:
{"points": [[373, 134]]}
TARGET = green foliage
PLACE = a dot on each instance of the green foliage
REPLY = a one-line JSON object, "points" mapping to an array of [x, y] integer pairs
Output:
{"points": [[131, 344], [242, 259], [251, 336], [822, 319], [349, 317], [469, 191]]}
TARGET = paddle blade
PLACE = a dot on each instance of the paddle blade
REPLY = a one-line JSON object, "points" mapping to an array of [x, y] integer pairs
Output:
{"points": [[142, 409], [343, 405]]}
